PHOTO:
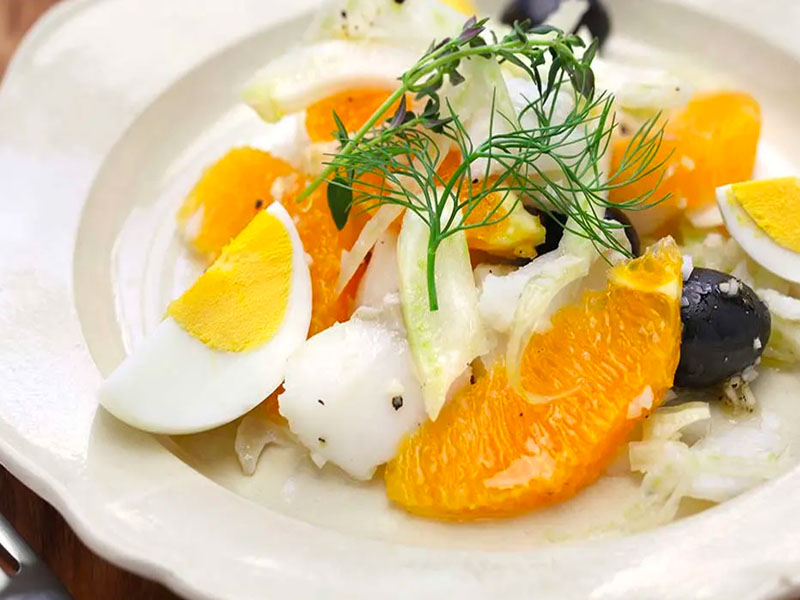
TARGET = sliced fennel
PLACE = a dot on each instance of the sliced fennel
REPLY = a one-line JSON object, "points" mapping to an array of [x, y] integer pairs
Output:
{"points": [[372, 231], [552, 281], [713, 251], [720, 465], [411, 24], [254, 433], [642, 91], [784, 341], [501, 289], [380, 277], [295, 80], [668, 422], [443, 342], [484, 106], [543, 295], [351, 44]]}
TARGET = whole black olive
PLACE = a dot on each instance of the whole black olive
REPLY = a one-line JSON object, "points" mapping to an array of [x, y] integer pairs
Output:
{"points": [[619, 216], [554, 230], [595, 18], [725, 328]]}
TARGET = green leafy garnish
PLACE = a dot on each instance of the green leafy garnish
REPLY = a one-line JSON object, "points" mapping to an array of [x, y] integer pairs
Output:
{"points": [[340, 201], [552, 161]]}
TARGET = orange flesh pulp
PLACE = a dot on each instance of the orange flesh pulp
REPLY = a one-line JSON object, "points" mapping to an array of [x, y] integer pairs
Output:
{"points": [[709, 143], [353, 107], [229, 194], [487, 238], [236, 188], [492, 453]]}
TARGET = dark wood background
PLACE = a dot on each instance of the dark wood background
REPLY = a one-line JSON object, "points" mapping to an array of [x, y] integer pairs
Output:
{"points": [[87, 576]]}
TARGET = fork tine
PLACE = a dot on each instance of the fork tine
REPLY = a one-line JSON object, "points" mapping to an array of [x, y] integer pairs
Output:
{"points": [[33, 580], [14, 544]]}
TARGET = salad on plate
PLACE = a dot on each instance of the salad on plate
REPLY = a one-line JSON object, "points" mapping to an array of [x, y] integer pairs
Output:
{"points": [[486, 265]]}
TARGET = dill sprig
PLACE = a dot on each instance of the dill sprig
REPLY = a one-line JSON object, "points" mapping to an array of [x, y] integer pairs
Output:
{"points": [[551, 160]]}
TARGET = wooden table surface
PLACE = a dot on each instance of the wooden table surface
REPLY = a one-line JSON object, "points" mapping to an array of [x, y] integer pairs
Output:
{"points": [[87, 576]]}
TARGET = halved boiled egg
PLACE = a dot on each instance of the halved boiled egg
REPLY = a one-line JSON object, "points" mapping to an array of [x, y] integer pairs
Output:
{"points": [[223, 345], [764, 218]]}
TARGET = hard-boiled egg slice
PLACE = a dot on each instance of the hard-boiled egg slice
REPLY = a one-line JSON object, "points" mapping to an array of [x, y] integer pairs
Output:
{"points": [[764, 218], [224, 344]]}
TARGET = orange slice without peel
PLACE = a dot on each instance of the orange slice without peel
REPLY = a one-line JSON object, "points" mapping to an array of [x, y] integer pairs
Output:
{"points": [[609, 359]]}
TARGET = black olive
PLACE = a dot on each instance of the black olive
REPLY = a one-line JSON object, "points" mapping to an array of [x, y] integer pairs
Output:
{"points": [[554, 230], [619, 216], [595, 18], [725, 328], [535, 11]]}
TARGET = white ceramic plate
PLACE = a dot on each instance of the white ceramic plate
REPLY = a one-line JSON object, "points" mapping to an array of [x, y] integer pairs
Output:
{"points": [[107, 114]]}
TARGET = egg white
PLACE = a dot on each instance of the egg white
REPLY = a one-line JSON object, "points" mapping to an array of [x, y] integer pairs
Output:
{"points": [[754, 241], [174, 384]]}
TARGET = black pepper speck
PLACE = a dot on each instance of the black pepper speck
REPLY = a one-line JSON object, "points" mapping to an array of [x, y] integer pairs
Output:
{"points": [[397, 402]]}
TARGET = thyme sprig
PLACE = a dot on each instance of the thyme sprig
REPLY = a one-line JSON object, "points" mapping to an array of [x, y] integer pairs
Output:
{"points": [[551, 160]]}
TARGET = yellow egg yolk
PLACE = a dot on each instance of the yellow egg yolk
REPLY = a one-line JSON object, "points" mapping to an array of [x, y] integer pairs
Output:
{"points": [[774, 205], [465, 6], [240, 302]]}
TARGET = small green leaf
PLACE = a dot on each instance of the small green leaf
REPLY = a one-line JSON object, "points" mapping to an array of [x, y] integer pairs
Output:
{"points": [[555, 68], [340, 201], [543, 30], [456, 78], [582, 79], [341, 131], [589, 53]]}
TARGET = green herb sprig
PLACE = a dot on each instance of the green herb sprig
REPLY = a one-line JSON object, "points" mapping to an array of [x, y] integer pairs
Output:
{"points": [[552, 161]]}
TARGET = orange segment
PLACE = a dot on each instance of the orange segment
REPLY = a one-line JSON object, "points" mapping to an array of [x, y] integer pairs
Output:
{"points": [[270, 410], [713, 142], [229, 194], [513, 235], [609, 357], [354, 108], [324, 243], [226, 199], [448, 166]]}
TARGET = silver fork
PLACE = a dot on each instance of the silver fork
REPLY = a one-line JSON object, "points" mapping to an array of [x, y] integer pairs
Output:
{"points": [[28, 578]]}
